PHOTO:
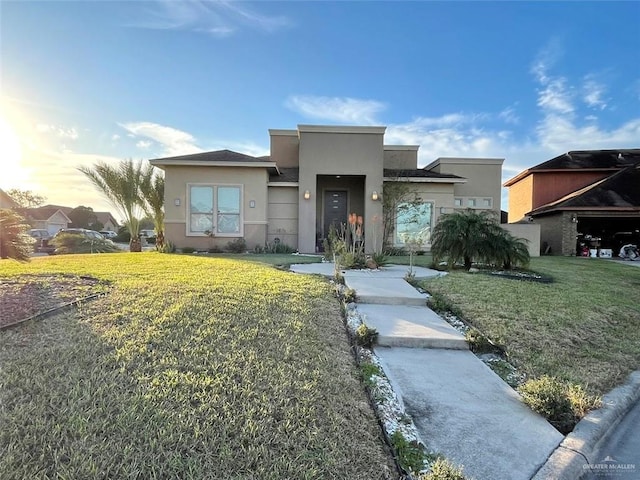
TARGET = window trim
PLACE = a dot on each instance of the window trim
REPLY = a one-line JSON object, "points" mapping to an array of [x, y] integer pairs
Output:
{"points": [[215, 186]]}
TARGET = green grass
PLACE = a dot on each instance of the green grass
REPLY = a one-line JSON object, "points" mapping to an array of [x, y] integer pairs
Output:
{"points": [[282, 259], [191, 367], [583, 328]]}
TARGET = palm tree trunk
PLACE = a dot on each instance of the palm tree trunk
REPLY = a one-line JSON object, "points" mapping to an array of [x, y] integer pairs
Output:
{"points": [[159, 240], [135, 245]]}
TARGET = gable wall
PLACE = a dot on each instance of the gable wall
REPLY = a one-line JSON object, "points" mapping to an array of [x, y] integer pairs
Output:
{"points": [[550, 186]]}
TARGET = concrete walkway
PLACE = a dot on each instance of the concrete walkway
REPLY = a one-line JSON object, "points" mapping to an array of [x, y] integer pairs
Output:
{"points": [[460, 407]]}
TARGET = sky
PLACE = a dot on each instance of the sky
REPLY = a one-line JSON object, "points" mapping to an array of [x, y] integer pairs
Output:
{"points": [[83, 81]]}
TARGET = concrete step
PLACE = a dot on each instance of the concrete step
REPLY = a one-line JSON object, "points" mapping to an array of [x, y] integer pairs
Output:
{"points": [[411, 326], [387, 291]]}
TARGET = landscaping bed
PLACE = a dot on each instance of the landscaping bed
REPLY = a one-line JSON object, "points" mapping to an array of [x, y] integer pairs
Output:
{"points": [[191, 367], [24, 296]]}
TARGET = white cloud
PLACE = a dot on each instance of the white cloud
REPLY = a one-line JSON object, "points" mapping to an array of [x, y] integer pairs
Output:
{"points": [[509, 115], [115, 137], [173, 141], [217, 18], [70, 133], [593, 92], [336, 109], [143, 144]]}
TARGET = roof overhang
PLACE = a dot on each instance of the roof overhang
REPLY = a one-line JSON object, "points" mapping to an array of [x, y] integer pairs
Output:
{"points": [[283, 184], [340, 129], [424, 180], [164, 162]]}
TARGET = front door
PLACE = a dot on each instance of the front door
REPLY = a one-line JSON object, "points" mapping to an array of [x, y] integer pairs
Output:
{"points": [[335, 209]]}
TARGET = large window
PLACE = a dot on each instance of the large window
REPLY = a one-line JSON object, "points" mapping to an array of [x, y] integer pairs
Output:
{"points": [[215, 208], [413, 223]]}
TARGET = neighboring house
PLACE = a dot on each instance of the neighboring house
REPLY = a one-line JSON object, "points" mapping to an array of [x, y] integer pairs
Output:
{"points": [[587, 198], [6, 201], [49, 217], [315, 176], [107, 220]]}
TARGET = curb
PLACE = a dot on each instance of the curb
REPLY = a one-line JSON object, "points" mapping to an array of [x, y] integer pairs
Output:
{"points": [[582, 446]]}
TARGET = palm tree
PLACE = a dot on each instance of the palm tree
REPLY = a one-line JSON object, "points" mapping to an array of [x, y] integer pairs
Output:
{"points": [[121, 186], [463, 236], [15, 242], [152, 190], [511, 251]]}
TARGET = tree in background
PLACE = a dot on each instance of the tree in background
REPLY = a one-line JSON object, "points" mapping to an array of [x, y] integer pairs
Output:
{"points": [[121, 185], [152, 190], [471, 235], [83, 217], [398, 198], [15, 242], [26, 198]]}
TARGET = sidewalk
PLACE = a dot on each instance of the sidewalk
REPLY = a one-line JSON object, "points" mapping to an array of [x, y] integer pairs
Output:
{"points": [[460, 407]]}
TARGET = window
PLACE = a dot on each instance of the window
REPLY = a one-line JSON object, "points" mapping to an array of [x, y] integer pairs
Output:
{"points": [[204, 200], [457, 202], [486, 202], [471, 202], [413, 223]]}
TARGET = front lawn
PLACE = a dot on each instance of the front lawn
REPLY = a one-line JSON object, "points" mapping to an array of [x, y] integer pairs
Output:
{"points": [[582, 328], [191, 367]]}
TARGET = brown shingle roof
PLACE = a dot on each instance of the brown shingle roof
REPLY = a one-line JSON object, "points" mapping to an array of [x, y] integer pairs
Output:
{"points": [[286, 175], [217, 156]]}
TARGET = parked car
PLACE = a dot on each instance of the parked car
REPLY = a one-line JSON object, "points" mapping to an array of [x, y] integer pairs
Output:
{"points": [[147, 233], [90, 234], [42, 238], [108, 234]]}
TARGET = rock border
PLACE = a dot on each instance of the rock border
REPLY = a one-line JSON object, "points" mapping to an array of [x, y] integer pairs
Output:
{"points": [[582, 446]]}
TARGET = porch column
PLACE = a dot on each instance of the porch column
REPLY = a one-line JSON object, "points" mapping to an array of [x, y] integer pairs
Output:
{"points": [[307, 213], [373, 226]]}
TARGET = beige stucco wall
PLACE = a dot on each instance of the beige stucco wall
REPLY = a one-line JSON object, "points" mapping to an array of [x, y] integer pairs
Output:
{"points": [[527, 231], [483, 176], [401, 157], [254, 188], [520, 198], [337, 151], [282, 215], [284, 147]]}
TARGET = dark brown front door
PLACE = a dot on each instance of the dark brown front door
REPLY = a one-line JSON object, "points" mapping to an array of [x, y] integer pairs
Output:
{"points": [[335, 209]]}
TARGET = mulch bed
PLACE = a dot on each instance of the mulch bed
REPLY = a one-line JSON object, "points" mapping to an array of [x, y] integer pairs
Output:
{"points": [[24, 296]]}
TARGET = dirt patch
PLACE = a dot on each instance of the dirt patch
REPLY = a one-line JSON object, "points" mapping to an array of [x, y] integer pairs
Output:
{"points": [[24, 296]]}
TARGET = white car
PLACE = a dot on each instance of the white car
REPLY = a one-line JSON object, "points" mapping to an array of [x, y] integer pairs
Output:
{"points": [[108, 234]]}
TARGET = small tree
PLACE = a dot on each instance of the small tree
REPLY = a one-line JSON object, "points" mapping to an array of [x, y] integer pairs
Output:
{"points": [[471, 235], [15, 242], [398, 198], [152, 190], [84, 217], [121, 185], [26, 198]]}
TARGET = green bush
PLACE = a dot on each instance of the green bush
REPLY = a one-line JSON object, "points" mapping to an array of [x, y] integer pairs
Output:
{"points": [[368, 370], [411, 455], [187, 249], [278, 247], [66, 243], [380, 259], [478, 343], [168, 247], [562, 404], [239, 245], [442, 469], [366, 336], [15, 242]]}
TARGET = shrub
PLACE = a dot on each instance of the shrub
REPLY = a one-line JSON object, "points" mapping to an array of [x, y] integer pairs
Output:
{"points": [[278, 247], [395, 251], [366, 336], [187, 249], [15, 242], [167, 247], [214, 249], [66, 243], [348, 295], [411, 455], [239, 245], [442, 469], [380, 259], [478, 343], [562, 404], [368, 370]]}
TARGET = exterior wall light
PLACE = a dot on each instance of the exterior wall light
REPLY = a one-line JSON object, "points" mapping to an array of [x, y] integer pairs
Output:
{"points": [[176, 202], [374, 196], [307, 194], [574, 218]]}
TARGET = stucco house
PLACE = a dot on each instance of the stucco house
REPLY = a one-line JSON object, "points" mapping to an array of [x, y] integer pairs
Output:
{"points": [[49, 217], [314, 176], [588, 198], [6, 201], [107, 220]]}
